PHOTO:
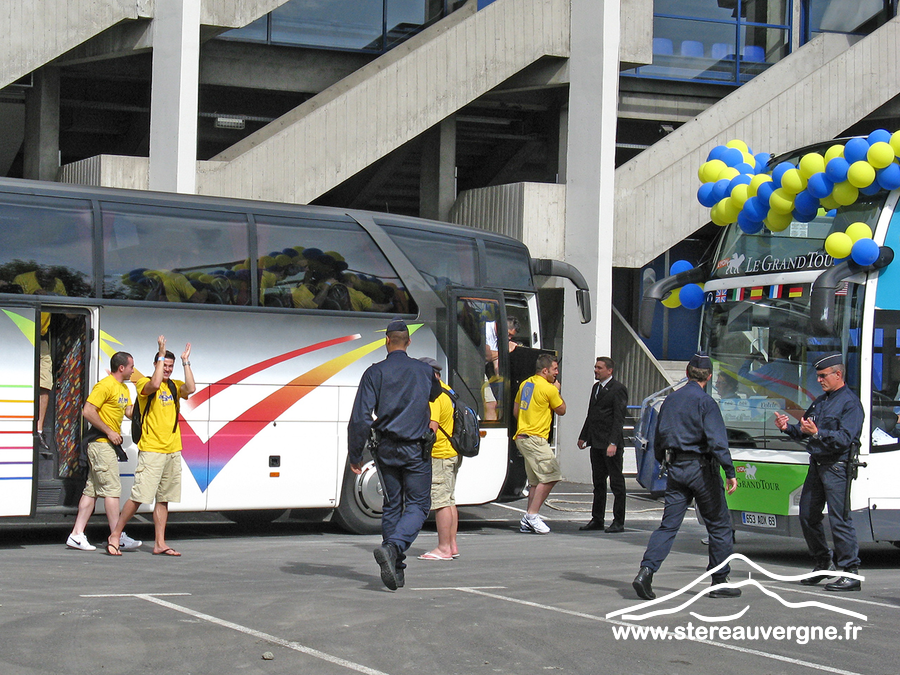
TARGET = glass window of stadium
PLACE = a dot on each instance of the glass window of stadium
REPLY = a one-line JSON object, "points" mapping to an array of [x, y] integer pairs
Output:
{"points": [[356, 25], [838, 16], [727, 41]]}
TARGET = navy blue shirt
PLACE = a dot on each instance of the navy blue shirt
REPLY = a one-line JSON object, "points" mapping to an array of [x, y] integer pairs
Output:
{"points": [[397, 390], [838, 415], [690, 421]]}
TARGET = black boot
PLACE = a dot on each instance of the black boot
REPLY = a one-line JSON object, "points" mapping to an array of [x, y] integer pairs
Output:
{"points": [[386, 557], [845, 584], [723, 592], [641, 584], [812, 581]]}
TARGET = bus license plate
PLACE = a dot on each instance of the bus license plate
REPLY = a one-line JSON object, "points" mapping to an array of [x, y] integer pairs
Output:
{"points": [[758, 519]]}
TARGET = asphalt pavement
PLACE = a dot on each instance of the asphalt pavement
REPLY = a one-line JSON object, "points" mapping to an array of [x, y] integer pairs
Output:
{"points": [[303, 597]]}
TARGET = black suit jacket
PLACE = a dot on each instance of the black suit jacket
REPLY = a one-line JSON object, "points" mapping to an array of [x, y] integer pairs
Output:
{"points": [[605, 416]]}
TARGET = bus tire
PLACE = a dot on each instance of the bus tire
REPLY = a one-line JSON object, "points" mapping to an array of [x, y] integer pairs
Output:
{"points": [[359, 511], [254, 518]]}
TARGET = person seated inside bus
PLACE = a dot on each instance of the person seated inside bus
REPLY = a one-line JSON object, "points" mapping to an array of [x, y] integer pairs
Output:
{"points": [[726, 387], [172, 286], [779, 376]]}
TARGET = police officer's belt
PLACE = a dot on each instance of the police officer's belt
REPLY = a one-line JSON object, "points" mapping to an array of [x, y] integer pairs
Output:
{"points": [[681, 456]]}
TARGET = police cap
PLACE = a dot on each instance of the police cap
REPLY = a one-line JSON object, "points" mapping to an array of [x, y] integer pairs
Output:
{"points": [[397, 325], [829, 361], [700, 360]]}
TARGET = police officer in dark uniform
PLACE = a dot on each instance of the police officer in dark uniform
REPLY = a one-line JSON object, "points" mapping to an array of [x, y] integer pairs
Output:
{"points": [[391, 406], [691, 439], [830, 427]]}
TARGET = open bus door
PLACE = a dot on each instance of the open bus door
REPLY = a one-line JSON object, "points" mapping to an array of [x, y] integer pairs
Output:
{"points": [[18, 408]]}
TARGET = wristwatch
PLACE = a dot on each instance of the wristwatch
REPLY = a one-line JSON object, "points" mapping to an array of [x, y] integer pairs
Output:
{"points": [[815, 436]]}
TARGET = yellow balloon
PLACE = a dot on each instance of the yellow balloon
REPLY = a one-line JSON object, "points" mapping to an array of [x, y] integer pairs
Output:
{"points": [[728, 173], [880, 154], [811, 163], [728, 212], [838, 245], [834, 151], [793, 181], [672, 300], [749, 159], [857, 231], [845, 193], [895, 143], [777, 222], [739, 195], [829, 202], [860, 175], [709, 171], [756, 181], [781, 201], [716, 217], [737, 143]]}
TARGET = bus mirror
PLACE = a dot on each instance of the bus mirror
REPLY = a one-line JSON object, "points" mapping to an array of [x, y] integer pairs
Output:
{"points": [[657, 291], [583, 298]]}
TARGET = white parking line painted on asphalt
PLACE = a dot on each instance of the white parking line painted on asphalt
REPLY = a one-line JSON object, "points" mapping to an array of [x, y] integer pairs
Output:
{"points": [[592, 617], [296, 646]]}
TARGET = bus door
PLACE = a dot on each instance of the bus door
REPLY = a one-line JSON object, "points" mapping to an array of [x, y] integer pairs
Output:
{"points": [[18, 400]]}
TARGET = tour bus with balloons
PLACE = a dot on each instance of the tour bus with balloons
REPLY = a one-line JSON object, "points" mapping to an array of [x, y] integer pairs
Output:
{"points": [[804, 266]]}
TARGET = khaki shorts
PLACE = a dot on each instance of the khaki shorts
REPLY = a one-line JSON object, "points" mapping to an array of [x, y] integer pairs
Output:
{"points": [[541, 465], [46, 366], [157, 476], [443, 481], [103, 474]]}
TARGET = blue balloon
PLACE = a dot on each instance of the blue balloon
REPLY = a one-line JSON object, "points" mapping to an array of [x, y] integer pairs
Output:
{"points": [[765, 191], [819, 186], [804, 202], [754, 211], [864, 252], [680, 266], [888, 177], [716, 152], [832, 213], [742, 179], [691, 296], [705, 195], [747, 225], [732, 156], [762, 158], [879, 136], [870, 190], [855, 150], [743, 167], [779, 170], [836, 169], [804, 216], [720, 189]]}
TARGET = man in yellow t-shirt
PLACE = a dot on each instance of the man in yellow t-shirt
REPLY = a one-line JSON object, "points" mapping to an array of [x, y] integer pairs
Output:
{"points": [[537, 400], [158, 473], [108, 403], [444, 468]]}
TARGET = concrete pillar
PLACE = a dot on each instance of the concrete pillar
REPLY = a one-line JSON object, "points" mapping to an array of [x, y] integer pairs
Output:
{"points": [[437, 183], [174, 95], [42, 126], [590, 199]]}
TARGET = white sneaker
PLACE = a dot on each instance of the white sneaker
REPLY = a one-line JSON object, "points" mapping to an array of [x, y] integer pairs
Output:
{"points": [[126, 543], [80, 542], [533, 524]]}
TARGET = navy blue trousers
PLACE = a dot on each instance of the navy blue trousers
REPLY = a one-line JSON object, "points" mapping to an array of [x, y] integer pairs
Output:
{"points": [[826, 484], [405, 476], [701, 482]]}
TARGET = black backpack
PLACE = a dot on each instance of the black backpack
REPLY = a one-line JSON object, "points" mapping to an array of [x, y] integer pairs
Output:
{"points": [[466, 437], [137, 416]]}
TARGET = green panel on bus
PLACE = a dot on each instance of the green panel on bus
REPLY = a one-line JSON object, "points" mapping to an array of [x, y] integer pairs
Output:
{"points": [[766, 488]]}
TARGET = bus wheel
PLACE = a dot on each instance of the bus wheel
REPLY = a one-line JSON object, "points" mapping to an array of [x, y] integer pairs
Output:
{"points": [[896, 543], [361, 501], [253, 518]]}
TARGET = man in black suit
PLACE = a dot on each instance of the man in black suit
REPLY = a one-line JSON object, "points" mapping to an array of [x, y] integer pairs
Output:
{"points": [[602, 431]]}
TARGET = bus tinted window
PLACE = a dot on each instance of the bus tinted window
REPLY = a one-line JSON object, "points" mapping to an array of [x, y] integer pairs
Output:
{"points": [[326, 264], [46, 246], [442, 259], [175, 255], [508, 267]]}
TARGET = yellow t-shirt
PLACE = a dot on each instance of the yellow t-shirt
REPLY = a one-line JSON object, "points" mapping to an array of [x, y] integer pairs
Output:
{"points": [[110, 397], [442, 413], [30, 285], [536, 399], [158, 421]]}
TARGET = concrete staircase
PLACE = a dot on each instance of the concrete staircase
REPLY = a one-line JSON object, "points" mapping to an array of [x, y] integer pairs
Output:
{"points": [[389, 102], [812, 95]]}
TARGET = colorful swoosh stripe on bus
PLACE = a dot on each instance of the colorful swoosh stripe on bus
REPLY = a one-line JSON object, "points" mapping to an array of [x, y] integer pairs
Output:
{"points": [[24, 324]]}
